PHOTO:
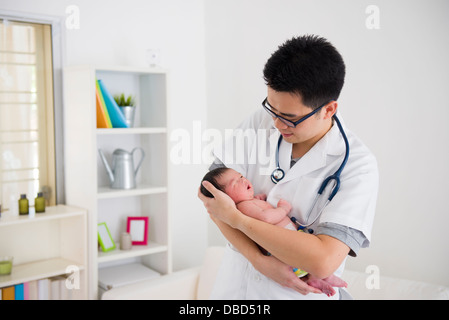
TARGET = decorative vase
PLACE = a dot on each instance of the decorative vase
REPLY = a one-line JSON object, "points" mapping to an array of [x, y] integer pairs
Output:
{"points": [[125, 241], [128, 112]]}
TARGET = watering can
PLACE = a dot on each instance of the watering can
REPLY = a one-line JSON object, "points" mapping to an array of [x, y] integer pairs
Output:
{"points": [[122, 175]]}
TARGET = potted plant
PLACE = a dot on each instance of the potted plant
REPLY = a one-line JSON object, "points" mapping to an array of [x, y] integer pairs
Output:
{"points": [[127, 106]]}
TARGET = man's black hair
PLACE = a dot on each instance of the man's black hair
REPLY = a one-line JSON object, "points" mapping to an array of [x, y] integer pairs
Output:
{"points": [[309, 66], [212, 177]]}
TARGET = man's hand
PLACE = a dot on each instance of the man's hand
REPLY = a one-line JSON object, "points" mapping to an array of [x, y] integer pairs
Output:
{"points": [[221, 206]]}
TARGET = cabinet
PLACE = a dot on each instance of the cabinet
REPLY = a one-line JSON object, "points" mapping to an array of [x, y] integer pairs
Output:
{"points": [[86, 180], [46, 245]]}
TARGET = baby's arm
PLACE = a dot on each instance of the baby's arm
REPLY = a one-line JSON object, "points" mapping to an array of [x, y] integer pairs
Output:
{"points": [[261, 196], [265, 212]]}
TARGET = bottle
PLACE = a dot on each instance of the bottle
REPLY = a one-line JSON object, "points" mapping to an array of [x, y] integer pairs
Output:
{"points": [[39, 203], [23, 205]]}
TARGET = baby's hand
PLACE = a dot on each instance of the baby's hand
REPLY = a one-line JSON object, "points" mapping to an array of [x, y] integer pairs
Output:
{"points": [[285, 205], [261, 196]]}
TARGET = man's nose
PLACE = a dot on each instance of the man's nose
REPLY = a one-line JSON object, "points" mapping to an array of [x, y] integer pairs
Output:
{"points": [[279, 124]]}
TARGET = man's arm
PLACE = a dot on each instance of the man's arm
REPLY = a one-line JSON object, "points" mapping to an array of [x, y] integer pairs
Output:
{"points": [[267, 265], [319, 255]]}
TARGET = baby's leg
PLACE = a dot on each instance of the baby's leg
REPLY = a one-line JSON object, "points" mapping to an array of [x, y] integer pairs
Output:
{"points": [[326, 285], [335, 281]]}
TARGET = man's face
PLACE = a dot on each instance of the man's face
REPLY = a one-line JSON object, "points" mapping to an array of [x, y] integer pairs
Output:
{"points": [[290, 107]]}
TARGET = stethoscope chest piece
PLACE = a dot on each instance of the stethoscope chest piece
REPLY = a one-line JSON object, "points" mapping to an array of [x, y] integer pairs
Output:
{"points": [[277, 175]]}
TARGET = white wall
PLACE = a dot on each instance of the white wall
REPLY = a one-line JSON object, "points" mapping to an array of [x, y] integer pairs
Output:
{"points": [[395, 99], [117, 32]]}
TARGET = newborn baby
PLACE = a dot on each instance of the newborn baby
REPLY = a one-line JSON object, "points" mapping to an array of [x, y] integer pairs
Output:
{"points": [[241, 191]]}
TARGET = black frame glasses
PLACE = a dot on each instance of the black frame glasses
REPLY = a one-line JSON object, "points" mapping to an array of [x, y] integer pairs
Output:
{"points": [[291, 124]]}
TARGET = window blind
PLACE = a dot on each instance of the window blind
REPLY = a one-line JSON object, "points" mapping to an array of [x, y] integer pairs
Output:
{"points": [[26, 112]]}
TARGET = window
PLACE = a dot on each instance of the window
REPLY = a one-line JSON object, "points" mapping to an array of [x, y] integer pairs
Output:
{"points": [[27, 131]]}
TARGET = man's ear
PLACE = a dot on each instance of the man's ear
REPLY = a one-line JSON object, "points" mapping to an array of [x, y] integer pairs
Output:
{"points": [[330, 109]]}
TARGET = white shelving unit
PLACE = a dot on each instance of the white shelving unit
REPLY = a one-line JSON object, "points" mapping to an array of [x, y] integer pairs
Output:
{"points": [[87, 183], [44, 245]]}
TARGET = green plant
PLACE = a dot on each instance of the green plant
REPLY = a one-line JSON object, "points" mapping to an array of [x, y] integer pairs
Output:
{"points": [[122, 101]]}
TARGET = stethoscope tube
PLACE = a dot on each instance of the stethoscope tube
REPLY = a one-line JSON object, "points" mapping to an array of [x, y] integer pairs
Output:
{"points": [[336, 175], [278, 174]]}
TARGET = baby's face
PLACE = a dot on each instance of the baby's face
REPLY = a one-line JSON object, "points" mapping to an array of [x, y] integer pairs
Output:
{"points": [[236, 186]]}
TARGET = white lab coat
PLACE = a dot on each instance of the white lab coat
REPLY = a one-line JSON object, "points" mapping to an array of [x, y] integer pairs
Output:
{"points": [[353, 206]]}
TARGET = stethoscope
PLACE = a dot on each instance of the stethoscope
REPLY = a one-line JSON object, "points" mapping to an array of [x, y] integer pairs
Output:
{"points": [[279, 174]]}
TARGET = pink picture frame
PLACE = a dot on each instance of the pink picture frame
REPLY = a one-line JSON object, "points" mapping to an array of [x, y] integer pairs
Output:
{"points": [[137, 227]]}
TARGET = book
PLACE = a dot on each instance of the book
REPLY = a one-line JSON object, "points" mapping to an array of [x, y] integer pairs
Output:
{"points": [[32, 290], [19, 292], [64, 292], [8, 293], [59, 290], [103, 119], [117, 118], [43, 289], [55, 289], [26, 291]]}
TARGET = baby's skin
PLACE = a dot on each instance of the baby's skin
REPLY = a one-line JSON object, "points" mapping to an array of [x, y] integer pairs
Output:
{"points": [[241, 191]]}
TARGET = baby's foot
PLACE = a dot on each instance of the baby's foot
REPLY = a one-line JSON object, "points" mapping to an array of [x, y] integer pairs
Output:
{"points": [[335, 281], [325, 287]]}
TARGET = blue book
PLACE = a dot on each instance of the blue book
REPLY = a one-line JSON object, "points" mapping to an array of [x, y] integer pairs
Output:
{"points": [[115, 114], [18, 292]]}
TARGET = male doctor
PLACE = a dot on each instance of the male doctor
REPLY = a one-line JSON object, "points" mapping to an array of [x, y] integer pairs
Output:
{"points": [[304, 78]]}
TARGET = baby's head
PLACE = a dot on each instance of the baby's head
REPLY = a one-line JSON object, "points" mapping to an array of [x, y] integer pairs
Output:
{"points": [[230, 182]]}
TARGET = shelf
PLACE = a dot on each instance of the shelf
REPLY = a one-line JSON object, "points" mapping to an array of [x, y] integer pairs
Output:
{"points": [[36, 270], [87, 183], [106, 192], [130, 69], [136, 251], [131, 131], [51, 213]]}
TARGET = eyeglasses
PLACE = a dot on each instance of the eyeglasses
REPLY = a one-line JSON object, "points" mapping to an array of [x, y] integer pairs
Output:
{"points": [[291, 124]]}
